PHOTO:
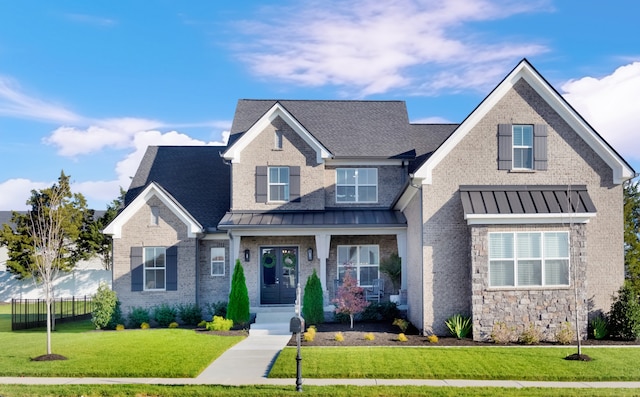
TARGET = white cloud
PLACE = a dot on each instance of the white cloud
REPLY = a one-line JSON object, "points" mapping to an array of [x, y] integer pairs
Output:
{"points": [[17, 191], [610, 105], [372, 47]]}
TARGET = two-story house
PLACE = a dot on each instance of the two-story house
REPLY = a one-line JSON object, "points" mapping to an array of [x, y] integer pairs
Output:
{"points": [[502, 217]]}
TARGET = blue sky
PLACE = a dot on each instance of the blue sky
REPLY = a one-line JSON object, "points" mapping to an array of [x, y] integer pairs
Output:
{"points": [[85, 86]]}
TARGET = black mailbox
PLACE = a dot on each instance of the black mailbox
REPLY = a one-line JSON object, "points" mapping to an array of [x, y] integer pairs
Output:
{"points": [[296, 325]]}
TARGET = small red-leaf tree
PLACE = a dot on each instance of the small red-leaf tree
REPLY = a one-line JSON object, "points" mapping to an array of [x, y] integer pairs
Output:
{"points": [[350, 298]]}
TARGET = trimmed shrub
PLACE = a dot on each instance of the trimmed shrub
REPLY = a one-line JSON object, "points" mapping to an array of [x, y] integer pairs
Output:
{"points": [[310, 334], [174, 325], [402, 338], [503, 334], [624, 316], [238, 308], [190, 314], [338, 337], [137, 316], [164, 315], [106, 308], [145, 326], [369, 336], [216, 309], [530, 335], [433, 338], [565, 334], [459, 325], [120, 327], [220, 324], [313, 303]]}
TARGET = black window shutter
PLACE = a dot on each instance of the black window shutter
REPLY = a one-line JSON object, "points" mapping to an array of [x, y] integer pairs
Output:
{"points": [[172, 268], [505, 146], [294, 184], [261, 184], [540, 147], [137, 268]]}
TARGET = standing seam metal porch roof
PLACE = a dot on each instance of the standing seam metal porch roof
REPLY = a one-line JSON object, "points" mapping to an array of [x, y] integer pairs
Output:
{"points": [[518, 200], [339, 218]]}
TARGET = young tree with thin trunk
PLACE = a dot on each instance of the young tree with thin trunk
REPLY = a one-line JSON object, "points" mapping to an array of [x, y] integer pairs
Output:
{"points": [[350, 300]]}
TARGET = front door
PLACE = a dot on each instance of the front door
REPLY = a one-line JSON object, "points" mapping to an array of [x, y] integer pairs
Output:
{"points": [[278, 275]]}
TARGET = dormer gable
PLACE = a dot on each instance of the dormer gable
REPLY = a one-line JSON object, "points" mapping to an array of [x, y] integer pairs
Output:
{"points": [[524, 70], [153, 190], [233, 153]]}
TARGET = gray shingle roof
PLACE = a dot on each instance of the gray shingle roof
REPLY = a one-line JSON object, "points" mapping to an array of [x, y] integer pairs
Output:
{"points": [[426, 138], [374, 218], [345, 128], [526, 199], [195, 176]]}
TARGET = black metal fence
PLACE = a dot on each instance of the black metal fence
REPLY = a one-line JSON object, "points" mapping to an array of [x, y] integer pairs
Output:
{"points": [[32, 313]]}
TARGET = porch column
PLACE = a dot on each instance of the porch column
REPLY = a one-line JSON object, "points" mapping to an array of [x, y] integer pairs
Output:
{"points": [[401, 237], [323, 241]]}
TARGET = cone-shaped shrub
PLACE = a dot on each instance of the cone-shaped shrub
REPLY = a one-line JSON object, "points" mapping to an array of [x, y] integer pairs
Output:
{"points": [[312, 303], [238, 307]]}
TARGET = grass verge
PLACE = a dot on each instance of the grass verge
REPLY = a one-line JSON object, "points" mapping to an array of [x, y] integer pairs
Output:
{"points": [[330, 391], [508, 363]]}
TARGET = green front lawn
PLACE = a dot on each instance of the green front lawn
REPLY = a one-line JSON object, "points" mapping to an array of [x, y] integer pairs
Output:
{"points": [[508, 363], [165, 353]]}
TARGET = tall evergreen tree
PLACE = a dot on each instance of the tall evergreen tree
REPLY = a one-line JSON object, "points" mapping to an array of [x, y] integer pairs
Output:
{"points": [[238, 307], [313, 303], [632, 234]]}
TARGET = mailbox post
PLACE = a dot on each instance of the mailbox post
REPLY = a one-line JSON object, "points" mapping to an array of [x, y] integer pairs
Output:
{"points": [[296, 325]]}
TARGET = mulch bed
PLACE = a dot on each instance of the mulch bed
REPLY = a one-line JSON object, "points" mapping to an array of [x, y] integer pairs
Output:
{"points": [[386, 334], [49, 357]]}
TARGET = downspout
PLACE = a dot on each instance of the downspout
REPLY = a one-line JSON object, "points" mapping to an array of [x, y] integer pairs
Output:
{"points": [[197, 292]]}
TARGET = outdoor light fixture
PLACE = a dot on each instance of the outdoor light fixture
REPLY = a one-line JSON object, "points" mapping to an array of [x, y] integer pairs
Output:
{"points": [[310, 254], [247, 255]]}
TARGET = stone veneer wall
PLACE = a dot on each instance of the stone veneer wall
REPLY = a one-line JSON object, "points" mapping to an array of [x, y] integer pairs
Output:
{"points": [[547, 308], [138, 232]]}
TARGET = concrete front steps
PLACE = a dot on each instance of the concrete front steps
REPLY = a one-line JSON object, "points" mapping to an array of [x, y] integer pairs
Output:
{"points": [[271, 320]]}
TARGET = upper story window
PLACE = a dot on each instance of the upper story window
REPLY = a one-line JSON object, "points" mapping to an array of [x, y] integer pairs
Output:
{"points": [[523, 147], [155, 216], [278, 140], [278, 183], [363, 260], [529, 259], [217, 261], [154, 268], [357, 185]]}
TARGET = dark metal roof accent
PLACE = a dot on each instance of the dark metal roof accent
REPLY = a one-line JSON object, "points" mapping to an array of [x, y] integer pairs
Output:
{"points": [[374, 218], [517, 200]]}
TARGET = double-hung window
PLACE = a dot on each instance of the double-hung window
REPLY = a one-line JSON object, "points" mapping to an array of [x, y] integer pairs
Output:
{"points": [[279, 184], [362, 260], [357, 185], [523, 147], [528, 259], [154, 268], [217, 261]]}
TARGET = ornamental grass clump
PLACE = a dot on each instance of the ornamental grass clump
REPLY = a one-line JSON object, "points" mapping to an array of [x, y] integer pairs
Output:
{"points": [[530, 335], [599, 327], [503, 334], [459, 325], [565, 334]]}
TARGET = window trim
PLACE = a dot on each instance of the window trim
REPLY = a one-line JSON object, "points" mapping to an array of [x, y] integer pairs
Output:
{"points": [[155, 268], [543, 259], [223, 261], [357, 266], [529, 148], [356, 185], [287, 185]]}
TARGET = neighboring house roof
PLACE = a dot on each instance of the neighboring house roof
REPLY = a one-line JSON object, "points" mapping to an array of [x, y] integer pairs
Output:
{"points": [[375, 129], [359, 218], [195, 176], [524, 70], [526, 204]]}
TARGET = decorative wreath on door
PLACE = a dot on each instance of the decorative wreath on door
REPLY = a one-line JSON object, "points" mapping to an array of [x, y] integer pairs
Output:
{"points": [[268, 260], [289, 259]]}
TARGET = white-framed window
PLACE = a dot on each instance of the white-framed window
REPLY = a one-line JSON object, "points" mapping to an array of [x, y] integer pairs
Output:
{"points": [[155, 215], [357, 185], [523, 146], [363, 260], [526, 259], [217, 261], [278, 140], [278, 184], [155, 266]]}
